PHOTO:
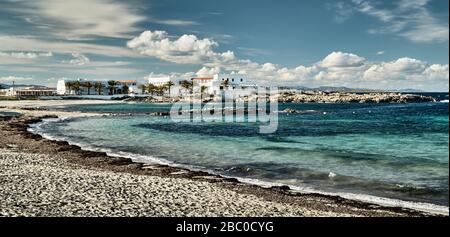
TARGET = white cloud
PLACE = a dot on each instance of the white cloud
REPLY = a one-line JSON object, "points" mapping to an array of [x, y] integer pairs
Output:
{"points": [[206, 72], [381, 52], [174, 22], [187, 49], [10, 79], [26, 55], [401, 69], [437, 72], [410, 19], [82, 18], [30, 43], [343, 11], [336, 69], [340, 59], [101, 71], [267, 67], [408, 73], [253, 51], [78, 59], [398, 74]]}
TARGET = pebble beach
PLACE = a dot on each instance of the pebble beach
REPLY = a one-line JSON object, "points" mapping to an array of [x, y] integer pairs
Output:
{"points": [[44, 178]]}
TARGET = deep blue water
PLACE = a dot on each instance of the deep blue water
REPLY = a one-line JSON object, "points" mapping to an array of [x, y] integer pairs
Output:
{"points": [[389, 150]]}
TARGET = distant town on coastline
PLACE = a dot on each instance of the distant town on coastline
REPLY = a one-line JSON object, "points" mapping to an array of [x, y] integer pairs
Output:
{"points": [[203, 89], [153, 86]]}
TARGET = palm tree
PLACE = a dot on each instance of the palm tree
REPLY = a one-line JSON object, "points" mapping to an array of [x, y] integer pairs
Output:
{"points": [[151, 89], [143, 88], [77, 87], [125, 89], [69, 85], [88, 85], [99, 87], [226, 83], [203, 89], [188, 85], [169, 85], [160, 90], [112, 85]]}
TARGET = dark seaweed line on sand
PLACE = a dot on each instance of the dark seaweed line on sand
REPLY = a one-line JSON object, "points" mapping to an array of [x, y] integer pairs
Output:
{"points": [[19, 126]]}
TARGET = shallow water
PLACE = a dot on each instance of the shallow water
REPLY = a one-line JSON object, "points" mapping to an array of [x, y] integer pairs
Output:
{"points": [[393, 150]]}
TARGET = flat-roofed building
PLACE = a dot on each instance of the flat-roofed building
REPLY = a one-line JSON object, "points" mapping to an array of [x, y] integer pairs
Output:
{"points": [[87, 87], [212, 86], [221, 82], [175, 88], [35, 92], [160, 80]]}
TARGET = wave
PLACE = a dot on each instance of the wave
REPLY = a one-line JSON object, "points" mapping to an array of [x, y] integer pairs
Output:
{"points": [[37, 129], [443, 101], [388, 202]]}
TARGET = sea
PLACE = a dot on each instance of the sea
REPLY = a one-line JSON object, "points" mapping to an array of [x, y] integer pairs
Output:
{"points": [[397, 152]]}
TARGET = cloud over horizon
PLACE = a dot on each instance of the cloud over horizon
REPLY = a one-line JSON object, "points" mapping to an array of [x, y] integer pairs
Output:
{"points": [[336, 69], [106, 38], [82, 18], [410, 19]]}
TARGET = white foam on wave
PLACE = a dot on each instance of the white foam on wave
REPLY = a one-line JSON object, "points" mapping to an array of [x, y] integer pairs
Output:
{"points": [[443, 101], [382, 201], [38, 126], [388, 202], [37, 129]]}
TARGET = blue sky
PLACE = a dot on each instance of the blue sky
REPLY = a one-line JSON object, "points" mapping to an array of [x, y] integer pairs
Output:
{"points": [[354, 43]]}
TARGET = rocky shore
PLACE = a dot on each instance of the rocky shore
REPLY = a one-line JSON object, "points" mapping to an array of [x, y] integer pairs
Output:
{"points": [[310, 97], [341, 97], [40, 177]]}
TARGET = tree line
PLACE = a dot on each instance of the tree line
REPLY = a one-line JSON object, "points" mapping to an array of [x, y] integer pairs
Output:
{"points": [[152, 89]]}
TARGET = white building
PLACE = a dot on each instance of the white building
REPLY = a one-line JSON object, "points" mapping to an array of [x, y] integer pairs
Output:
{"points": [[212, 85], [175, 89], [34, 92], [222, 82], [160, 81], [61, 88], [232, 79], [86, 87], [10, 92]]}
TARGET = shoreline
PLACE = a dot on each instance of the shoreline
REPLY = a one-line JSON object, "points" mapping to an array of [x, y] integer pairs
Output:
{"points": [[281, 194], [425, 207]]}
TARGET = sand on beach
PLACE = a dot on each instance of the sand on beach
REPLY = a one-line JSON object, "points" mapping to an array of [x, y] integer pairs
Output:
{"points": [[45, 103], [43, 185], [46, 178], [39, 107]]}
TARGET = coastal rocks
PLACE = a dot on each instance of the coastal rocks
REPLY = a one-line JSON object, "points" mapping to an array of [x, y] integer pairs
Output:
{"points": [[341, 97], [290, 111], [309, 97], [150, 99], [119, 161], [283, 188], [160, 114], [136, 99]]}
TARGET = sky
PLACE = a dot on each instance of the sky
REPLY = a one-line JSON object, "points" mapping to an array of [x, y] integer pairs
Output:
{"points": [[376, 44]]}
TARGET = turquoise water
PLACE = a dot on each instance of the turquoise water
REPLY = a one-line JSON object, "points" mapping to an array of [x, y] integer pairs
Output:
{"points": [[8, 114], [394, 150]]}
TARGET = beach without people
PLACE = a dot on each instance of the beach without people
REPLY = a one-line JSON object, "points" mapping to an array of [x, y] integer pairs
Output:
{"points": [[225, 109], [42, 176]]}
